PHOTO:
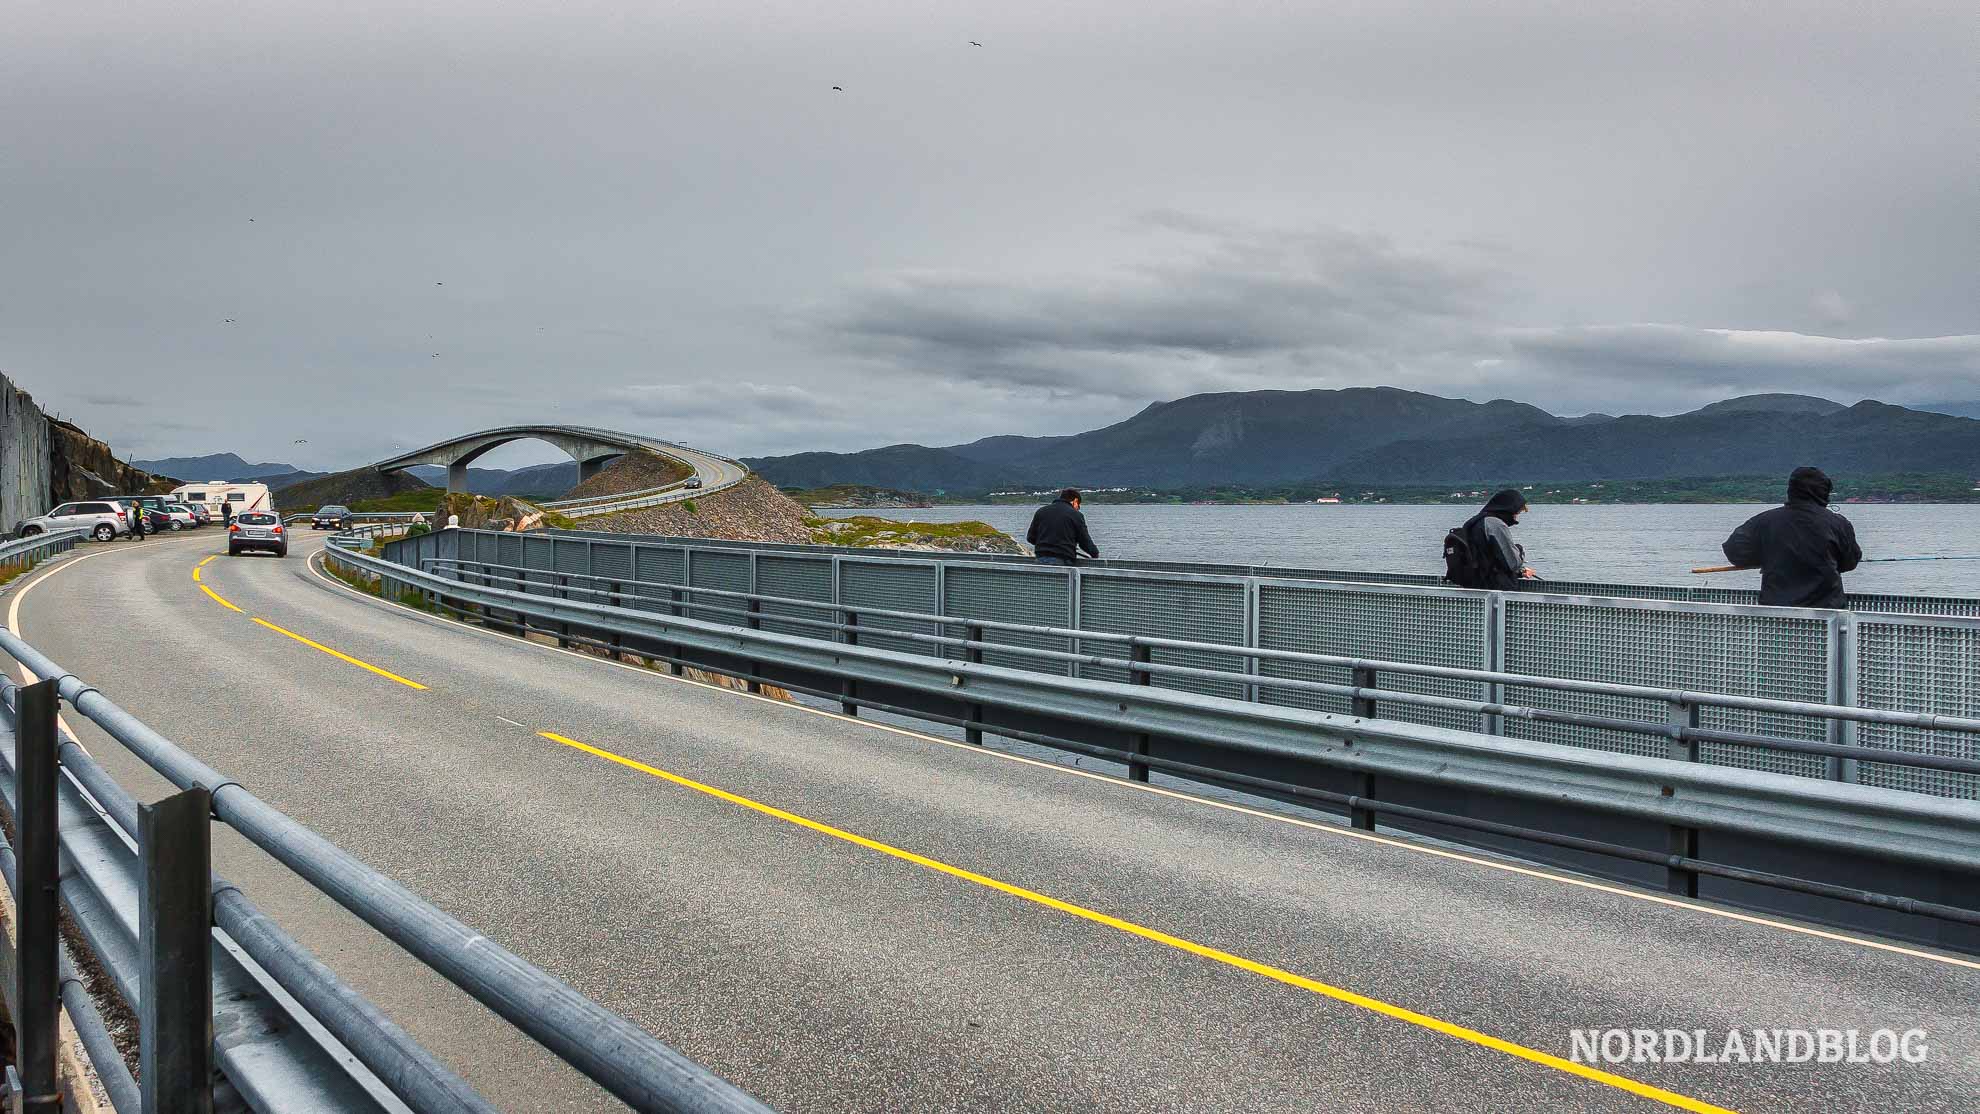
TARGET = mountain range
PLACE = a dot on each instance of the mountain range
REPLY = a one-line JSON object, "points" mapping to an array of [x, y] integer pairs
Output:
{"points": [[1391, 436]]}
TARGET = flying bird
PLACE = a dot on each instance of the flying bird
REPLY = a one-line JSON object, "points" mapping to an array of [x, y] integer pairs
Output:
{"points": [[228, 321], [300, 441], [836, 89], [973, 42]]}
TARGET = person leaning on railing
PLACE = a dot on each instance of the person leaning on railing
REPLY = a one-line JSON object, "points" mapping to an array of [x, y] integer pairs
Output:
{"points": [[1058, 531]]}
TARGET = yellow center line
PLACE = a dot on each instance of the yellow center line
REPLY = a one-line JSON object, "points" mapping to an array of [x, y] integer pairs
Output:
{"points": [[385, 673], [217, 597], [204, 563], [1264, 970]]}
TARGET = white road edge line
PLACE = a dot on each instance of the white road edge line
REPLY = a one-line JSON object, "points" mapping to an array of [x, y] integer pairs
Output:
{"points": [[1140, 787]]}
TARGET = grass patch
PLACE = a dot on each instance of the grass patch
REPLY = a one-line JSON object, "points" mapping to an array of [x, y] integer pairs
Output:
{"points": [[688, 505], [426, 500], [866, 530], [559, 521]]}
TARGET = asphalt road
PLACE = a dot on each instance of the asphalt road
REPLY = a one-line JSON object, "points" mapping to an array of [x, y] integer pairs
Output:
{"points": [[925, 926]]}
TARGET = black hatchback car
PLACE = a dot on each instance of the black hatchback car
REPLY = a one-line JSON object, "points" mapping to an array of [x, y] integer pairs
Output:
{"points": [[332, 517]]}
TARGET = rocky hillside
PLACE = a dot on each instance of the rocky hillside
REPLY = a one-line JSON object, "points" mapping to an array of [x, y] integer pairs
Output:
{"points": [[347, 488], [632, 472], [81, 467]]}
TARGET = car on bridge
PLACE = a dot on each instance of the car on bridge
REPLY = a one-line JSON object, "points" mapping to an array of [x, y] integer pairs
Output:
{"points": [[100, 519], [332, 517], [257, 530]]}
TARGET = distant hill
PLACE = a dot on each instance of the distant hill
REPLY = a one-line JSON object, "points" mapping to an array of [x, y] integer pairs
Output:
{"points": [[346, 488], [217, 466], [1387, 435], [538, 479]]}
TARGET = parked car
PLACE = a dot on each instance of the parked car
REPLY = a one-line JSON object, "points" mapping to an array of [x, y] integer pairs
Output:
{"points": [[103, 520], [200, 512], [331, 517], [180, 517], [257, 530]]}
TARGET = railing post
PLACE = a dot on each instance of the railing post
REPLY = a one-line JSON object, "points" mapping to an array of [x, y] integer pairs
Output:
{"points": [[1683, 840], [175, 932], [974, 654], [849, 688], [617, 599], [1363, 707], [674, 598], [1139, 651], [754, 621], [563, 585], [38, 905]]}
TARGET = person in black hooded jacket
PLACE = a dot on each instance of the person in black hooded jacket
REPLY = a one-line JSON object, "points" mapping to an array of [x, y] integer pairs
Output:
{"points": [[1801, 549], [1501, 562]]}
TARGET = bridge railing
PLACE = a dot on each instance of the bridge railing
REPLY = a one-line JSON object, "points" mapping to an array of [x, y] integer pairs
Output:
{"points": [[1895, 862], [1903, 654], [137, 882]]}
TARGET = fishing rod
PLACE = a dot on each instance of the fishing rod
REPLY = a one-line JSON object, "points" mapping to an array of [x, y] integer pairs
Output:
{"points": [[1865, 561]]}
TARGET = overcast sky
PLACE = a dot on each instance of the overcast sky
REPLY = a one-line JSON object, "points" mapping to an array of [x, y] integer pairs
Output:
{"points": [[372, 225]]}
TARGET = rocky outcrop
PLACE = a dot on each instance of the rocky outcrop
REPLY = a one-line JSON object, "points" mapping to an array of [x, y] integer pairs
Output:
{"points": [[81, 467], [632, 472], [480, 512], [868, 532], [750, 511]]}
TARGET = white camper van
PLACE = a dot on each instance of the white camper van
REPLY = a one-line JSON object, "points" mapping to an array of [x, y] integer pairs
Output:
{"points": [[222, 499]]}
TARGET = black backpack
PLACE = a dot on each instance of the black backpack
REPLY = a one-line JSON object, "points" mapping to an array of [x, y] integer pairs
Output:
{"points": [[1462, 566]]}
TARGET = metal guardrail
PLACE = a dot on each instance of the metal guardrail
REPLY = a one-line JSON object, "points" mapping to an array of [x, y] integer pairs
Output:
{"points": [[25, 552], [1874, 659], [1681, 728], [1907, 863], [589, 502], [137, 881]]}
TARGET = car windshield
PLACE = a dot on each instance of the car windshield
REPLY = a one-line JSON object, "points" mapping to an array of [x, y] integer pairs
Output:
{"points": [[333, 509], [255, 518]]}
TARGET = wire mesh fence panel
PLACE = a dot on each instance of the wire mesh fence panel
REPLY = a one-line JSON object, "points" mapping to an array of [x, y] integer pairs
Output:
{"points": [[654, 567], [1443, 628], [611, 560], [1007, 595], [1198, 610], [1781, 657], [540, 557], [725, 570], [800, 578], [892, 585], [1919, 668]]}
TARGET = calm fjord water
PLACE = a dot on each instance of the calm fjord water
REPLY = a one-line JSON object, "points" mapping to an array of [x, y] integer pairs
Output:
{"points": [[1645, 544]]}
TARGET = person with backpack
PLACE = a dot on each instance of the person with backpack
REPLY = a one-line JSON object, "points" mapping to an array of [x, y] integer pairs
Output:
{"points": [[1482, 554]]}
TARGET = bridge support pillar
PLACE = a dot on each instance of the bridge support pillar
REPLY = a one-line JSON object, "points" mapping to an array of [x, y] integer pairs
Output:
{"points": [[590, 468], [457, 477]]}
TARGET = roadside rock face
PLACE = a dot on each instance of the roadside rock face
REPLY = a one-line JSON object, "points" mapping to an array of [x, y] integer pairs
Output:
{"points": [[479, 512], [81, 467], [750, 511]]}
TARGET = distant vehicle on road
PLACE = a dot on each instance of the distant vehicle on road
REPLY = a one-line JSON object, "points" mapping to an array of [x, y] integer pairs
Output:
{"points": [[216, 495], [102, 519], [692, 483], [331, 517], [180, 517], [257, 530]]}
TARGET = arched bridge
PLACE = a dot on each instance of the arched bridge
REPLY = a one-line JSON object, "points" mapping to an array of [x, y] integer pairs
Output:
{"points": [[592, 448]]}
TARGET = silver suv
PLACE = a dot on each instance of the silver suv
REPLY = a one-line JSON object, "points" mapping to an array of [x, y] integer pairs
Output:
{"points": [[257, 530], [102, 520]]}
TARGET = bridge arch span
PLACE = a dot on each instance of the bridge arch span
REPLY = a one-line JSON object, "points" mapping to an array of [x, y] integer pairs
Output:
{"points": [[591, 448]]}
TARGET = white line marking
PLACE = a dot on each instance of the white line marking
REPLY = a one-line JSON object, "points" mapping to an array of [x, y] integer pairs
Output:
{"points": [[513, 723], [1140, 787]]}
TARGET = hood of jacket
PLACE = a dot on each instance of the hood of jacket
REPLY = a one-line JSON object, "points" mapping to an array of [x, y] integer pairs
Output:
{"points": [[1505, 505], [1810, 485]]}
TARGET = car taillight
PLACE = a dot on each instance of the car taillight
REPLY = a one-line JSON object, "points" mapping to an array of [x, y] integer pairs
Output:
{"points": [[276, 528], [233, 528]]}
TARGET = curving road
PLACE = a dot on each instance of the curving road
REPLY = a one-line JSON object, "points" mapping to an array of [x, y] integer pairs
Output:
{"points": [[843, 916]]}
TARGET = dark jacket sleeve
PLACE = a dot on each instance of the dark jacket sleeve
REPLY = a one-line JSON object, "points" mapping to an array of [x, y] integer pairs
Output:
{"points": [[1031, 535], [1852, 553], [1743, 547], [1085, 539]]}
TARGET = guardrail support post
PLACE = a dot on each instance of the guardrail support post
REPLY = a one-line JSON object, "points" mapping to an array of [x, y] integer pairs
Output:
{"points": [[38, 905], [674, 598], [563, 593], [1364, 707], [618, 640], [974, 654], [849, 688], [754, 621], [175, 931], [1137, 651], [1683, 840]]}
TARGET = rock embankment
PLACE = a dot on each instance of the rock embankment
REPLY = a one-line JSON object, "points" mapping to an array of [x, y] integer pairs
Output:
{"points": [[349, 487], [750, 511], [866, 531], [81, 467], [632, 472]]}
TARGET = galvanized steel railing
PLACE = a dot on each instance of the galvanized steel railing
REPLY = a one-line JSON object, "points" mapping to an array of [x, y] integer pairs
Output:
{"points": [[155, 939], [22, 553], [1238, 743], [1682, 727]]}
